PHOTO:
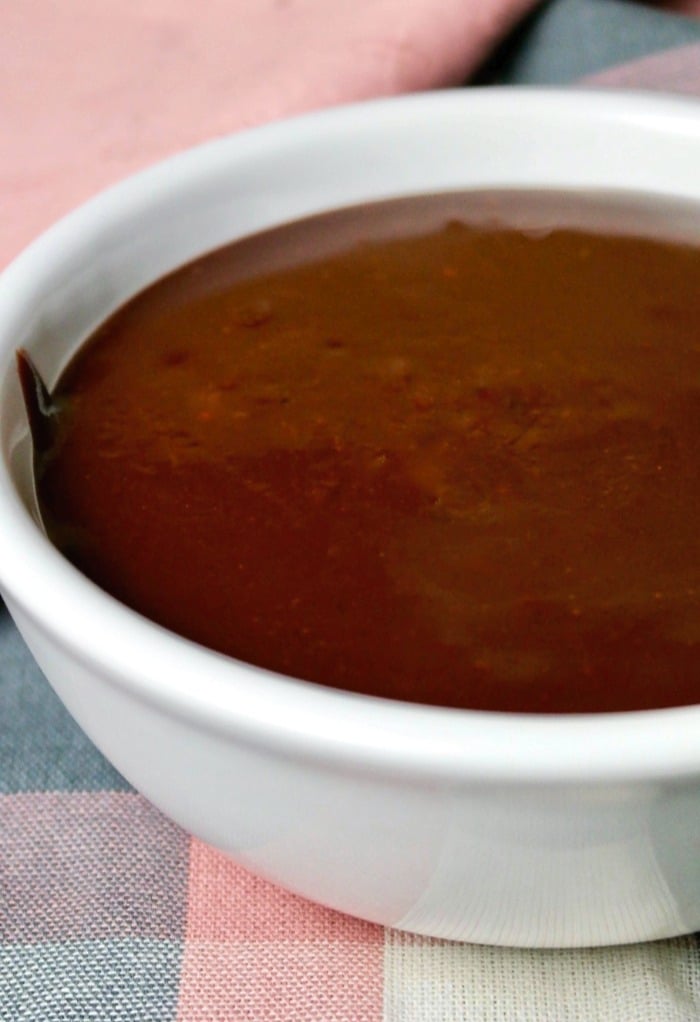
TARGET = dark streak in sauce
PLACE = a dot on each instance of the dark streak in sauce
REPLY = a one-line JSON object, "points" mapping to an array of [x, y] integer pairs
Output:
{"points": [[40, 409]]}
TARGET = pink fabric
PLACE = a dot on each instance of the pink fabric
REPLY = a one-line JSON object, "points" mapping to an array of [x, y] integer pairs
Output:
{"points": [[93, 91], [254, 951], [675, 70]]}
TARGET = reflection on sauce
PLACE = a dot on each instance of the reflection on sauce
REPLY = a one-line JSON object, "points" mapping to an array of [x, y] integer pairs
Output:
{"points": [[456, 464]]}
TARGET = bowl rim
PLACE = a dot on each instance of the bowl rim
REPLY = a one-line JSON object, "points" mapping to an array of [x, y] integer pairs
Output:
{"points": [[257, 706]]}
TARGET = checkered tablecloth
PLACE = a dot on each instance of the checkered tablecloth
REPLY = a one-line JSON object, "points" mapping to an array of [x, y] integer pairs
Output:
{"points": [[108, 911]]}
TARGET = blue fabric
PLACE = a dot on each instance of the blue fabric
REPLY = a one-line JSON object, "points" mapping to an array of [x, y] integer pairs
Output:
{"points": [[567, 39], [41, 747]]}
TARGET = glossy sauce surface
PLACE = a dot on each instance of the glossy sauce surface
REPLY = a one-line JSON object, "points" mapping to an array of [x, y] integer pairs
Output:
{"points": [[443, 450]]}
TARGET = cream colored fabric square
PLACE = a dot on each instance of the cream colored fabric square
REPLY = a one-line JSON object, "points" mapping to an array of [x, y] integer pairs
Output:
{"points": [[440, 981]]}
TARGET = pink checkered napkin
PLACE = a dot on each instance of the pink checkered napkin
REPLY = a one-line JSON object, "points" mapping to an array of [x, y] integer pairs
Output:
{"points": [[109, 912], [100, 88]]}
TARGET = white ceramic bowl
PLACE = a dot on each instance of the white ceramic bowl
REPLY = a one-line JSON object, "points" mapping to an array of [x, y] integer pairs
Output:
{"points": [[496, 828]]}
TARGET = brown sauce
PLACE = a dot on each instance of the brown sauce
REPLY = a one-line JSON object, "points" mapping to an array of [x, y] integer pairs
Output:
{"points": [[434, 450]]}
